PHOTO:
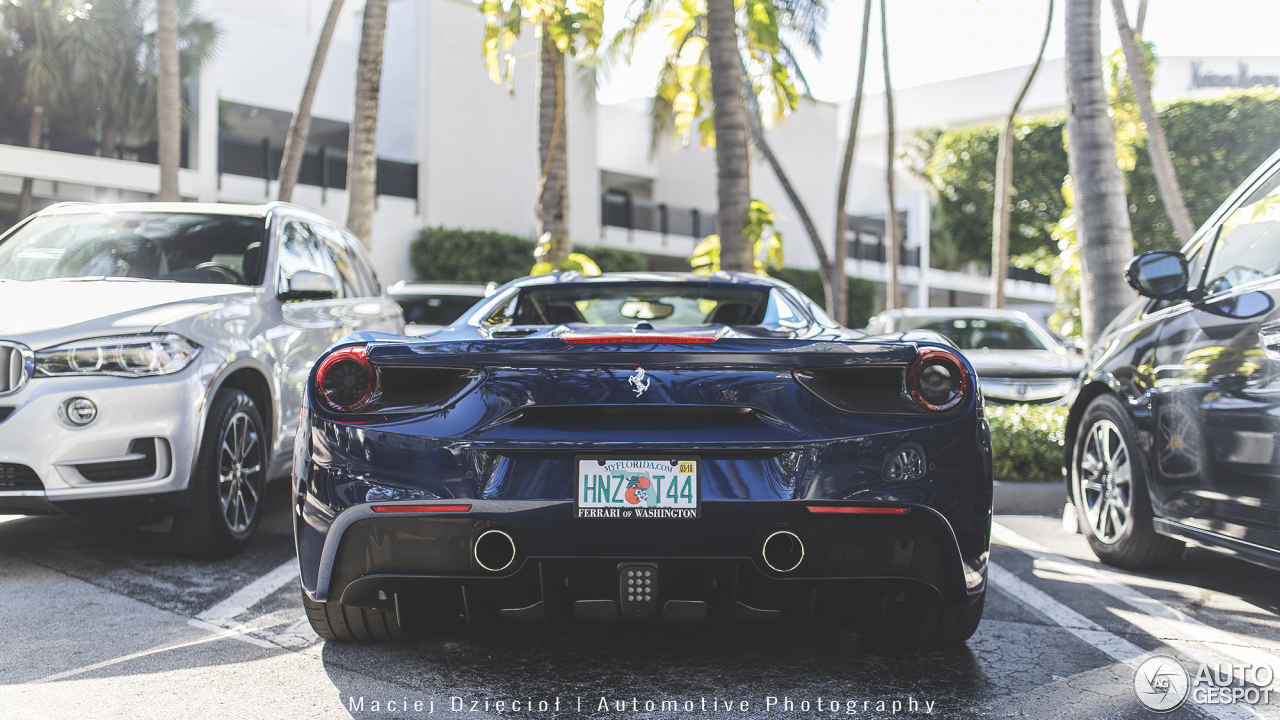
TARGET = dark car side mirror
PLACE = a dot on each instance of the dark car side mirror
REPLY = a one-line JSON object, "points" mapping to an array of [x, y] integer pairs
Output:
{"points": [[1159, 274], [309, 285]]}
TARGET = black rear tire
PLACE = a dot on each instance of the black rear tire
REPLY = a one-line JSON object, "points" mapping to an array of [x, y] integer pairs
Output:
{"points": [[946, 624], [205, 529], [1137, 545], [345, 623]]}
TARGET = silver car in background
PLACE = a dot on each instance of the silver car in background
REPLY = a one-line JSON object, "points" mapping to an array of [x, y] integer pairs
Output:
{"points": [[153, 358], [1017, 360], [429, 306]]}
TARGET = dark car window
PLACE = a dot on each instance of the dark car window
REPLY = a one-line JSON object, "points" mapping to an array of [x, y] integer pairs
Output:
{"points": [[365, 273], [978, 333], [350, 277], [658, 304], [434, 309], [178, 247], [1248, 246], [300, 249]]}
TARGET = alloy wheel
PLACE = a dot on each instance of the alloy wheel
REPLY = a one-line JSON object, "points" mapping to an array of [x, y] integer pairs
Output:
{"points": [[240, 472], [1106, 481]]}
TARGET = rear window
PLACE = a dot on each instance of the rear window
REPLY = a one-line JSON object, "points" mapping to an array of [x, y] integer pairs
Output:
{"points": [[978, 333], [659, 304], [434, 309]]}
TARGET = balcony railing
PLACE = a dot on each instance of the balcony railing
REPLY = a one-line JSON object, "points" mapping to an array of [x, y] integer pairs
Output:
{"points": [[321, 166], [623, 211]]}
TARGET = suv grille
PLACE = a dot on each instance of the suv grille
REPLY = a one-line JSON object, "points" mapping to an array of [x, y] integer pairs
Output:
{"points": [[16, 363], [18, 477]]}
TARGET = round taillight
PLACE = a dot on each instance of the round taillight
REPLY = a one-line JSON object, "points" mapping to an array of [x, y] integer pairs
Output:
{"points": [[937, 380], [346, 379]]}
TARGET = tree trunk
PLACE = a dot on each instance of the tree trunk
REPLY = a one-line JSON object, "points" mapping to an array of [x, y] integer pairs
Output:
{"points": [[891, 232], [1157, 145], [838, 281], [295, 143], [1102, 216], [733, 183], [34, 128], [168, 117], [1003, 206], [1142, 17], [552, 202], [362, 160]]}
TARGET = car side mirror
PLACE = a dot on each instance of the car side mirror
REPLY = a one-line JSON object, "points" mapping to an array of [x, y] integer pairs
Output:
{"points": [[1159, 274], [309, 285]]}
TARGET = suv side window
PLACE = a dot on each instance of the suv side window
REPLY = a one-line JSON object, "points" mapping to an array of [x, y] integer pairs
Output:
{"points": [[301, 250], [1248, 245], [352, 268]]}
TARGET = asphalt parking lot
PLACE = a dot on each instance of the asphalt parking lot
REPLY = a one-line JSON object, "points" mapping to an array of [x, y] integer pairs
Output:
{"points": [[105, 623]]}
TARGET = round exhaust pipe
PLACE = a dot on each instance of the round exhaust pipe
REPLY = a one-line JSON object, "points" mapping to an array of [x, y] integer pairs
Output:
{"points": [[495, 550], [782, 551]]}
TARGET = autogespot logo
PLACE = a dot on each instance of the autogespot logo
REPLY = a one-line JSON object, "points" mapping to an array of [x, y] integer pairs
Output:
{"points": [[1161, 683]]}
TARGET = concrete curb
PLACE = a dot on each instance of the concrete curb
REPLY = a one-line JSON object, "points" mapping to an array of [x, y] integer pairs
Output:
{"points": [[1029, 498]]}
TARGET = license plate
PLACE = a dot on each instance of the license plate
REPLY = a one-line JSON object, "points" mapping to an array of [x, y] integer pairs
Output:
{"points": [[637, 487]]}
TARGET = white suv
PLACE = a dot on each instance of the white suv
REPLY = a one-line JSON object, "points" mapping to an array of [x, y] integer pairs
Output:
{"points": [[153, 357]]}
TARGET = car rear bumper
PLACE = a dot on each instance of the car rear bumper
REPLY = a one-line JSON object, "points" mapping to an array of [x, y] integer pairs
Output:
{"points": [[372, 559]]}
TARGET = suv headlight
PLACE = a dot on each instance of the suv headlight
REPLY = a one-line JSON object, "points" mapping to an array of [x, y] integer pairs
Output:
{"points": [[123, 356]]}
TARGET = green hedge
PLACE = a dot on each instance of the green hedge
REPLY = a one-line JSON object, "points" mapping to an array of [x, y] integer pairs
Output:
{"points": [[1026, 442], [1215, 143], [482, 256], [862, 293]]}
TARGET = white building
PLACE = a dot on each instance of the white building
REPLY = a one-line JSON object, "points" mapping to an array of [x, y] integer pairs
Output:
{"points": [[458, 150]]}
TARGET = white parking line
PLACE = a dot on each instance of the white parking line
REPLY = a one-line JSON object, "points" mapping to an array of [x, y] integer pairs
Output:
{"points": [[251, 594], [1094, 634], [1160, 620], [221, 617]]}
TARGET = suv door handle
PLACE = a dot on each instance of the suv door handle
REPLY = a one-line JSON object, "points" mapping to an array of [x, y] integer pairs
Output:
{"points": [[1269, 339]]}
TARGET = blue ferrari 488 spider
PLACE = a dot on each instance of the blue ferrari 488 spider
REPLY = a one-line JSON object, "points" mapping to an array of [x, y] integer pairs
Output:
{"points": [[644, 448]]}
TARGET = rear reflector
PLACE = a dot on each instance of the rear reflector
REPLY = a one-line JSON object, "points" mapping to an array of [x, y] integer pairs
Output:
{"points": [[857, 510], [420, 508], [637, 339]]}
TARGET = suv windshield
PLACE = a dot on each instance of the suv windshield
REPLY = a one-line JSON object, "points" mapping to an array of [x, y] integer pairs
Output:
{"points": [[177, 247], [978, 333], [659, 304]]}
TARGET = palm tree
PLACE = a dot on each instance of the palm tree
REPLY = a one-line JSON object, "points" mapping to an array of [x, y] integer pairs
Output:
{"points": [[295, 143], [42, 36], [1004, 180], [551, 202], [562, 32], [168, 102], [891, 232], [837, 281], [362, 161], [1102, 216], [708, 70], [120, 78], [733, 164], [1158, 146]]}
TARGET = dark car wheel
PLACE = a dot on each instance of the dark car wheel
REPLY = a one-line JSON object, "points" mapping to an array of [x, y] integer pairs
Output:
{"points": [[227, 481], [1109, 485], [345, 623]]}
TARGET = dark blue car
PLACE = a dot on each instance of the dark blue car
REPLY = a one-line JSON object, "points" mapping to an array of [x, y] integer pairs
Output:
{"points": [[644, 448]]}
